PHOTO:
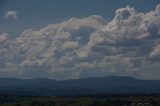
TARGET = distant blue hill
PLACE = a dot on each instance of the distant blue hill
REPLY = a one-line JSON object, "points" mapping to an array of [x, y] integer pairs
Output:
{"points": [[102, 85]]}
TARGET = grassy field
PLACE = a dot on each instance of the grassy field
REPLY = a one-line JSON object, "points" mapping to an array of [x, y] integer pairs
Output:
{"points": [[96, 100]]}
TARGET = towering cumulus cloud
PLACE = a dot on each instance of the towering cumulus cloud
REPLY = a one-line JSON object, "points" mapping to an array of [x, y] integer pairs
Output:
{"points": [[127, 45]]}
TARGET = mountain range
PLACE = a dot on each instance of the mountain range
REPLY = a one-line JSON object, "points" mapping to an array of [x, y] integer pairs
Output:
{"points": [[101, 85]]}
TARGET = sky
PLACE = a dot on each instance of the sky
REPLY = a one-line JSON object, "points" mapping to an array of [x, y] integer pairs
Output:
{"points": [[70, 39]]}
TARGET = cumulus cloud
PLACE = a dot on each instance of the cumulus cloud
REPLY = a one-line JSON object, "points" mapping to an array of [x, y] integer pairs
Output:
{"points": [[3, 37], [156, 52], [11, 15], [82, 47]]}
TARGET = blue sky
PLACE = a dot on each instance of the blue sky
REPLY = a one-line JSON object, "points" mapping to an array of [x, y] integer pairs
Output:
{"points": [[65, 39]]}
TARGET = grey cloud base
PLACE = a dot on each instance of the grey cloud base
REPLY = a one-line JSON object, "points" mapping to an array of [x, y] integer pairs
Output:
{"points": [[128, 45]]}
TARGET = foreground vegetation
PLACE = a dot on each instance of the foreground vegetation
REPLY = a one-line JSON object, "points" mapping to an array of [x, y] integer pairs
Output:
{"points": [[98, 100]]}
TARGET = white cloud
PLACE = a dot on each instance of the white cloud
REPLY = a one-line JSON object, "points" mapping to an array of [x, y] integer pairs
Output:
{"points": [[88, 47], [3, 37], [70, 45], [156, 52], [11, 15]]}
